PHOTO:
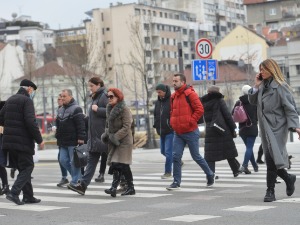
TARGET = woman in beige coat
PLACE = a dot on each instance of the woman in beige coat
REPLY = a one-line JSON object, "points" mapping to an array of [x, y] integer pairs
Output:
{"points": [[277, 115], [118, 135]]}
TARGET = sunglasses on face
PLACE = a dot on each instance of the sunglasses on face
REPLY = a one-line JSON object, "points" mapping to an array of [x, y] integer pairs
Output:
{"points": [[110, 96]]}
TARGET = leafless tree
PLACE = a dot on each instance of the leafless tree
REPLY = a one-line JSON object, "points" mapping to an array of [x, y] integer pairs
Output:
{"points": [[141, 61], [83, 58]]}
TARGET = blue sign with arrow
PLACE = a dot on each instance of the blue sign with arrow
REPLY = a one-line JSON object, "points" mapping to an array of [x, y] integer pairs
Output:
{"points": [[204, 69]]}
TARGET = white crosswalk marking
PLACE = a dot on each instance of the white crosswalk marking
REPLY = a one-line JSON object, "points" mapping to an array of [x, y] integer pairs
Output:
{"points": [[150, 185], [250, 208], [29, 207], [190, 218]]}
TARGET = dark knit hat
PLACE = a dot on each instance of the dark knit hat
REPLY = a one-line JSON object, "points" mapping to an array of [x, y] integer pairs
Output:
{"points": [[213, 88], [161, 87], [118, 93], [28, 83]]}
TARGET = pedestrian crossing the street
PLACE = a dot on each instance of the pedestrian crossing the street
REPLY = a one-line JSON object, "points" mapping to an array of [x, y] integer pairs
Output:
{"points": [[149, 186]]}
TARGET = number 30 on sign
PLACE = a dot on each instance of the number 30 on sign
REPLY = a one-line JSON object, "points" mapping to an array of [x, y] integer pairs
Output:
{"points": [[204, 48]]}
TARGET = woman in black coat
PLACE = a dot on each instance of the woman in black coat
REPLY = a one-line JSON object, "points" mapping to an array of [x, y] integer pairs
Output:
{"points": [[219, 145], [248, 130]]}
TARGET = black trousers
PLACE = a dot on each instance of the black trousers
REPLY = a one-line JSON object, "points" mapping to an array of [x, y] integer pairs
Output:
{"points": [[24, 163], [233, 163], [103, 162]]}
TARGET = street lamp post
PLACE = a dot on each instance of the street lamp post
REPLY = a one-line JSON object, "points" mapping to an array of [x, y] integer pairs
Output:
{"points": [[287, 73]]}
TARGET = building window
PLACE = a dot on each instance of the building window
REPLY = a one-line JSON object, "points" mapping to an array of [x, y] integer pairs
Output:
{"points": [[166, 15], [186, 56], [160, 14], [174, 41], [147, 39], [272, 12], [193, 56], [146, 26], [149, 67], [110, 68], [103, 31], [109, 55], [137, 12], [144, 12], [163, 41], [184, 31], [168, 41], [102, 16], [107, 29], [298, 69], [154, 13], [169, 55], [162, 27], [185, 44], [148, 53], [108, 42], [163, 54]]}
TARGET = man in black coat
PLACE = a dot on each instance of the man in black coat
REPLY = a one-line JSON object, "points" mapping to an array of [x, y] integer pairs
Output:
{"points": [[20, 132], [70, 132], [163, 128]]}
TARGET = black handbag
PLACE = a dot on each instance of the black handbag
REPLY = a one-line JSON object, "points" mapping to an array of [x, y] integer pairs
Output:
{"points": [[80, 156]]}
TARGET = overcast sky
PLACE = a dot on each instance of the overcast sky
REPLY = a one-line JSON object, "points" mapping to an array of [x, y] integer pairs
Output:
{"points": [[57, 13]]}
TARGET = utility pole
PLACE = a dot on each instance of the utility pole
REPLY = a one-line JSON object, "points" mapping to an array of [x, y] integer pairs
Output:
{"points": [[287, 72]]}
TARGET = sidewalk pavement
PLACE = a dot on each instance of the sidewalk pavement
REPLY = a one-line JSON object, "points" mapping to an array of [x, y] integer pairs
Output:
{"points": [[141, 155]]}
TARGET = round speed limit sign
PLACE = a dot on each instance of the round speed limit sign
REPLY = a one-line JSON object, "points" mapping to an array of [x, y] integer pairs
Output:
{"points": [[204, 48]]}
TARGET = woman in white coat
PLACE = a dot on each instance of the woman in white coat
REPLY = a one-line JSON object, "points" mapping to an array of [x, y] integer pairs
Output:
{"points": [[277, 115]]}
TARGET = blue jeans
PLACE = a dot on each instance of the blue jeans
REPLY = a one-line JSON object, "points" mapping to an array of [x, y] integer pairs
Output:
{"points": [[66, 160], [192, 140], [166, 149], [64, 172], [249, 156]]}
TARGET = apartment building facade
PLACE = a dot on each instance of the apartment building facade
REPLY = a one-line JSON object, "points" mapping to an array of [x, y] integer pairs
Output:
{"points": [[274, 14], [143, 40], [218, 16]]}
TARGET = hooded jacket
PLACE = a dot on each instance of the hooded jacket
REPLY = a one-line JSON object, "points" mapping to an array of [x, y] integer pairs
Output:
{"points": [[184, 115], [162, 114], [218, 147]]}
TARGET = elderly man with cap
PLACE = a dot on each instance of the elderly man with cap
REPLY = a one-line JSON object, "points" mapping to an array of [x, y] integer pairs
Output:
{"points": [[20, 132], [163, 128]]}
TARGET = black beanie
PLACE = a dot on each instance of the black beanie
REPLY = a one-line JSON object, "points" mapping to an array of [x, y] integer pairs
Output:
{"points": [[161, 87]]}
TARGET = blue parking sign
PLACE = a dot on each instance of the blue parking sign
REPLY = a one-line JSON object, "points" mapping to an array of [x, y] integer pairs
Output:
{"points": [[204, 69]]}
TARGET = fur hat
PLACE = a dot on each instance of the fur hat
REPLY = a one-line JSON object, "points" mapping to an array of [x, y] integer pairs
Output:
{"points": [[28, 83], [245, 89], [213, 88], [161, 87], [118, 93]]}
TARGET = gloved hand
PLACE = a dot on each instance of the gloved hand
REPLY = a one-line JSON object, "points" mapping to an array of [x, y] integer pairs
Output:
{"points": [[113, 139], [104, 138], [234, 135]]}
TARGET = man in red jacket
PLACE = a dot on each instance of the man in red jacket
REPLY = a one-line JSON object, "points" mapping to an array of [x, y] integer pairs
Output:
{"points": [[186, 110]]}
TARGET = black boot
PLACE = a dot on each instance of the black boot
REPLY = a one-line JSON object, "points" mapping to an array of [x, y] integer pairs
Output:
{"points": [[100, 178], [4, 190], [130, 189], [270, 195], [259, 155], [289, 180], [271, 179], [115, 183]]}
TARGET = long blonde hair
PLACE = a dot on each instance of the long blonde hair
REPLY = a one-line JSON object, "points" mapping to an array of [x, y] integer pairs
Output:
{"points": [[272, 67]]}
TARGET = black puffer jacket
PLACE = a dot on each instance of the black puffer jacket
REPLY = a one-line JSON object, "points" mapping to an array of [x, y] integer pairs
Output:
{"points": [[218, 147], [250, 127], [20, 126], [70, 125], [97, 121], [162, 114]]}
